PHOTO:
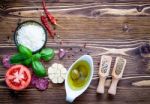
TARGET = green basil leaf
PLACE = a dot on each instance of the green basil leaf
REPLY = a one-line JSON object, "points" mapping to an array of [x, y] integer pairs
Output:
{"points": [[27, 62], [38, 69], [18, 58], [36, 56], [47, 54], [24, 50]]}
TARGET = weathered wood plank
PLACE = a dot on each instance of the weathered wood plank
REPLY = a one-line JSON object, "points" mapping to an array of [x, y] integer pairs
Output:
{"points": [[95, 27], [100, 20], [90, 9], [76, 1], [56, 95]]}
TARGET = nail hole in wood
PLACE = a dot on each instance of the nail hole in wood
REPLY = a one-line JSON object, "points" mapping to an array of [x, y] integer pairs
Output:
{"points": [[125, 28], [139, 8]]}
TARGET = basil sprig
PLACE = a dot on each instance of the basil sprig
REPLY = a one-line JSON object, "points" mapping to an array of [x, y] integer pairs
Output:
{"points": [[26, 57]]}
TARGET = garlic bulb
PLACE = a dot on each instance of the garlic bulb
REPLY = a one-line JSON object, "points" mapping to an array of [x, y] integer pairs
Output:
{"points": [[57, 73]]}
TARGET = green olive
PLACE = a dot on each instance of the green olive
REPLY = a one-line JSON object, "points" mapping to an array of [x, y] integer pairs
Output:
{"points": [[75, 74], [83, 71]]}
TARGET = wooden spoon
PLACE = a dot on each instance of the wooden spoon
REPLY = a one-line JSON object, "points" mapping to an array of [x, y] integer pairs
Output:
{"points": [[117, 74], [103, 72]]}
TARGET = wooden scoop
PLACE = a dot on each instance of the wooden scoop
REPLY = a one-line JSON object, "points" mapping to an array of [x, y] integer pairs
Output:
{"points": [[117, 74], [103, 72]]}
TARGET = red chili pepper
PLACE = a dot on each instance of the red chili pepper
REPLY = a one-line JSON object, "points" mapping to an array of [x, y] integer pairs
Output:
{"points": [[50, 17], [45, 23]]}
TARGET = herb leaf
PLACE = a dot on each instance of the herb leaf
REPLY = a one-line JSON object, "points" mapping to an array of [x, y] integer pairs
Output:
{"points": [[27, 62], [47, 54], [24, 50], [38, 68], [18, 58], [36, 57]]}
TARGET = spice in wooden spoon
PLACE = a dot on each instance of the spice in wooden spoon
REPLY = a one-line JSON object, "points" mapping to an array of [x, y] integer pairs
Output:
{"points": [[103, 72], [117, 74]]}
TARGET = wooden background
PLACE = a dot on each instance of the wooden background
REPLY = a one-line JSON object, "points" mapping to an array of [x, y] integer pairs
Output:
{"points": [[96, 27]]}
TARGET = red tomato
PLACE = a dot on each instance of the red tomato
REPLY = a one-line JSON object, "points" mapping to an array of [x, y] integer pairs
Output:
{"points": [[18, 77]]}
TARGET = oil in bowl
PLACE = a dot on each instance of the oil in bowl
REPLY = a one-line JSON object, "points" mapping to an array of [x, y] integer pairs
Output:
{"points": [[79, 75]]}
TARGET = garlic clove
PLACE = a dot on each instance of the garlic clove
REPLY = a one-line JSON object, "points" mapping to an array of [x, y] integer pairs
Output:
{"points": [[60, 79], [61, 53], [54, 80]]}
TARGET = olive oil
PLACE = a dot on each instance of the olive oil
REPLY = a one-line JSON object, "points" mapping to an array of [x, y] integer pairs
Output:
{"points": [[79, 75]]}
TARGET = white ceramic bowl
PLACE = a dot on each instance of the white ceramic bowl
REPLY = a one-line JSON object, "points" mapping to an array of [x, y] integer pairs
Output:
{"points": [[70, 93]]}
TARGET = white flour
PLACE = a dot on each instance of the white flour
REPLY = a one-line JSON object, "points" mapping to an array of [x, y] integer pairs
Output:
{"points": [[31, 36]]}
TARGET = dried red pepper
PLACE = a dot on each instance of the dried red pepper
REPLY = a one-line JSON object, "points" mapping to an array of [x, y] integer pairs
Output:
{"points": [[50, 17], [45, 23]]}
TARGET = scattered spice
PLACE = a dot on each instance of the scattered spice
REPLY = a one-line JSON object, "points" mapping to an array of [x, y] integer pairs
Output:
{"points": [[68, 56], [70, 48], [80, 50], [61, 42], [88, 53]]}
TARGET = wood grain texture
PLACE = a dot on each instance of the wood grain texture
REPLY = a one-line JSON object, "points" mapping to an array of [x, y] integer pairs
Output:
{"points": [[95, 27]]}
